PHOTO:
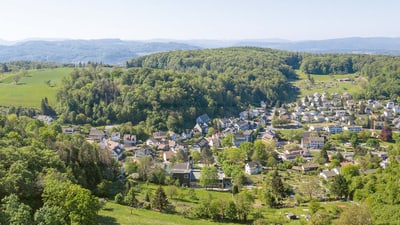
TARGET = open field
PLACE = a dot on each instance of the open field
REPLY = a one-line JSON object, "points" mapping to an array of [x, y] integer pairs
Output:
{"points": [[31, 88], [328, 83], [112, 214]]}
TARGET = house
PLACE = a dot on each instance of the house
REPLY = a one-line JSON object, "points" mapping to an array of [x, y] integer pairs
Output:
{"points": [[183, 173], [69, 130], [143, 152], [346, 96], [252, 168], [340, 113], [316, 128], [263, 104], [96, 135], [309, 167], [390, 105], [238, 140], [115, 136], [248, 135], [115, 148], [202, 128], [203, 119], [160, 135], [329, 174], [223, 123], [241, 125], [313, 142], [387, 113], [356, 129], [200, 144], [333, 129], [129, 139], [44, 118], [167, 156], [396, 109]]}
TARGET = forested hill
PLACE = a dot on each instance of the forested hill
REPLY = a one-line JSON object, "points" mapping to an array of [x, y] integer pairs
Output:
{"points": [[178, 87]]}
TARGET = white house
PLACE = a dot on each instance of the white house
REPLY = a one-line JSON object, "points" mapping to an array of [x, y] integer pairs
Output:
{"points": [[252, 168], [334, 129]]}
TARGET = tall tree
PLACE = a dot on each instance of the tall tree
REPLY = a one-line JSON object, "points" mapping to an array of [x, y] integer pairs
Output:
{"points": [[130, 199], [339, 187], [208, 176], [386, 134], [355, 215], [160, 201]]}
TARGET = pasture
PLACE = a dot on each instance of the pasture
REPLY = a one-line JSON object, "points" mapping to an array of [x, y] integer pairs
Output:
{"points": [[31, 87], [330, 84]]}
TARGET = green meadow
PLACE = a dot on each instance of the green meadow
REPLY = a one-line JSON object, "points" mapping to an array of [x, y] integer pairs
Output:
{"points": [[328, 83], [31, 88]]}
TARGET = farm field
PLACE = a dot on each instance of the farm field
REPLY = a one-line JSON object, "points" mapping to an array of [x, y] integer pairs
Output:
{"points": [[32, 88], [328, 83]]}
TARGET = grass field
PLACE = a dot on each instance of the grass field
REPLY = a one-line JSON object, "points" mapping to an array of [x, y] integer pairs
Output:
{"points": [[328, 83], [113, 214], [31, 88]]}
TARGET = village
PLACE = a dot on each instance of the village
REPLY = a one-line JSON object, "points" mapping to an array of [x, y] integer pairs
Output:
{"points": [[298, 131]]}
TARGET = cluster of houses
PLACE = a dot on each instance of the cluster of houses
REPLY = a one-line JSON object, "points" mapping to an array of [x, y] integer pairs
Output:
{"points": [[313, 109], [340, 109]]}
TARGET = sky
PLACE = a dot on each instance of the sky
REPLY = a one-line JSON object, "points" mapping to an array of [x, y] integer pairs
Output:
{"points": [[198, 19]]}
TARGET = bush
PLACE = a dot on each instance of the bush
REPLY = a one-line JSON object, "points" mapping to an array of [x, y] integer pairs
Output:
{"points": [[119, 198]]}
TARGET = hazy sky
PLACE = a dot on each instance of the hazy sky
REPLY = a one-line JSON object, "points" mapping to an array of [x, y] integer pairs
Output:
{"points": [[200, 19]]}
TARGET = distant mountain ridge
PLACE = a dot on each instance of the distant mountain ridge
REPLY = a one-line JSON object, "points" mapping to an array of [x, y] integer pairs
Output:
{"points": [[110, 51], [115, 51]]}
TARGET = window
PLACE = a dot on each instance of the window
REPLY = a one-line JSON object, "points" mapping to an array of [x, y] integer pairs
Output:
{"points": [[186, 176]]}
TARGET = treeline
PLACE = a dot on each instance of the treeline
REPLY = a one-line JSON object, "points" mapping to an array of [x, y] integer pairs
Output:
{"points": [[179, 87], [28, 65]]}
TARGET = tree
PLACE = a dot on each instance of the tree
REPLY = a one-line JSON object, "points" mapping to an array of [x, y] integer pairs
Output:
{"points": [[144, 166], [208, 176], [310, 186], [314, 206], [207, 156], [247, 148], [230, 211], [171, 191], [119, 198], [277, 186], [50, 216], [130, 199], [355, 215], [244, 205], [158, 176], [339, 186], [386, 134], [14, 212], [373, 143], [79, 204], [323, 157], [16, 79], [160, 201], [227, 141], [260, 151]]}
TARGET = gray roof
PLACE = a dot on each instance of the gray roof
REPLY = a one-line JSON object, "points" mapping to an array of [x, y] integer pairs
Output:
{"points": [[181, 168]]}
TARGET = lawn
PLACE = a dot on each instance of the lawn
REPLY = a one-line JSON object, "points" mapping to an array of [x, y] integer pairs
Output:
{"points": [[328, 83], [112, 214], [31, 88]]}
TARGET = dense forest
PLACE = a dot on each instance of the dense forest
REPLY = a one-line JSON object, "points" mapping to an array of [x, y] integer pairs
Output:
{"points": [[178, 87], [44, 174]]}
